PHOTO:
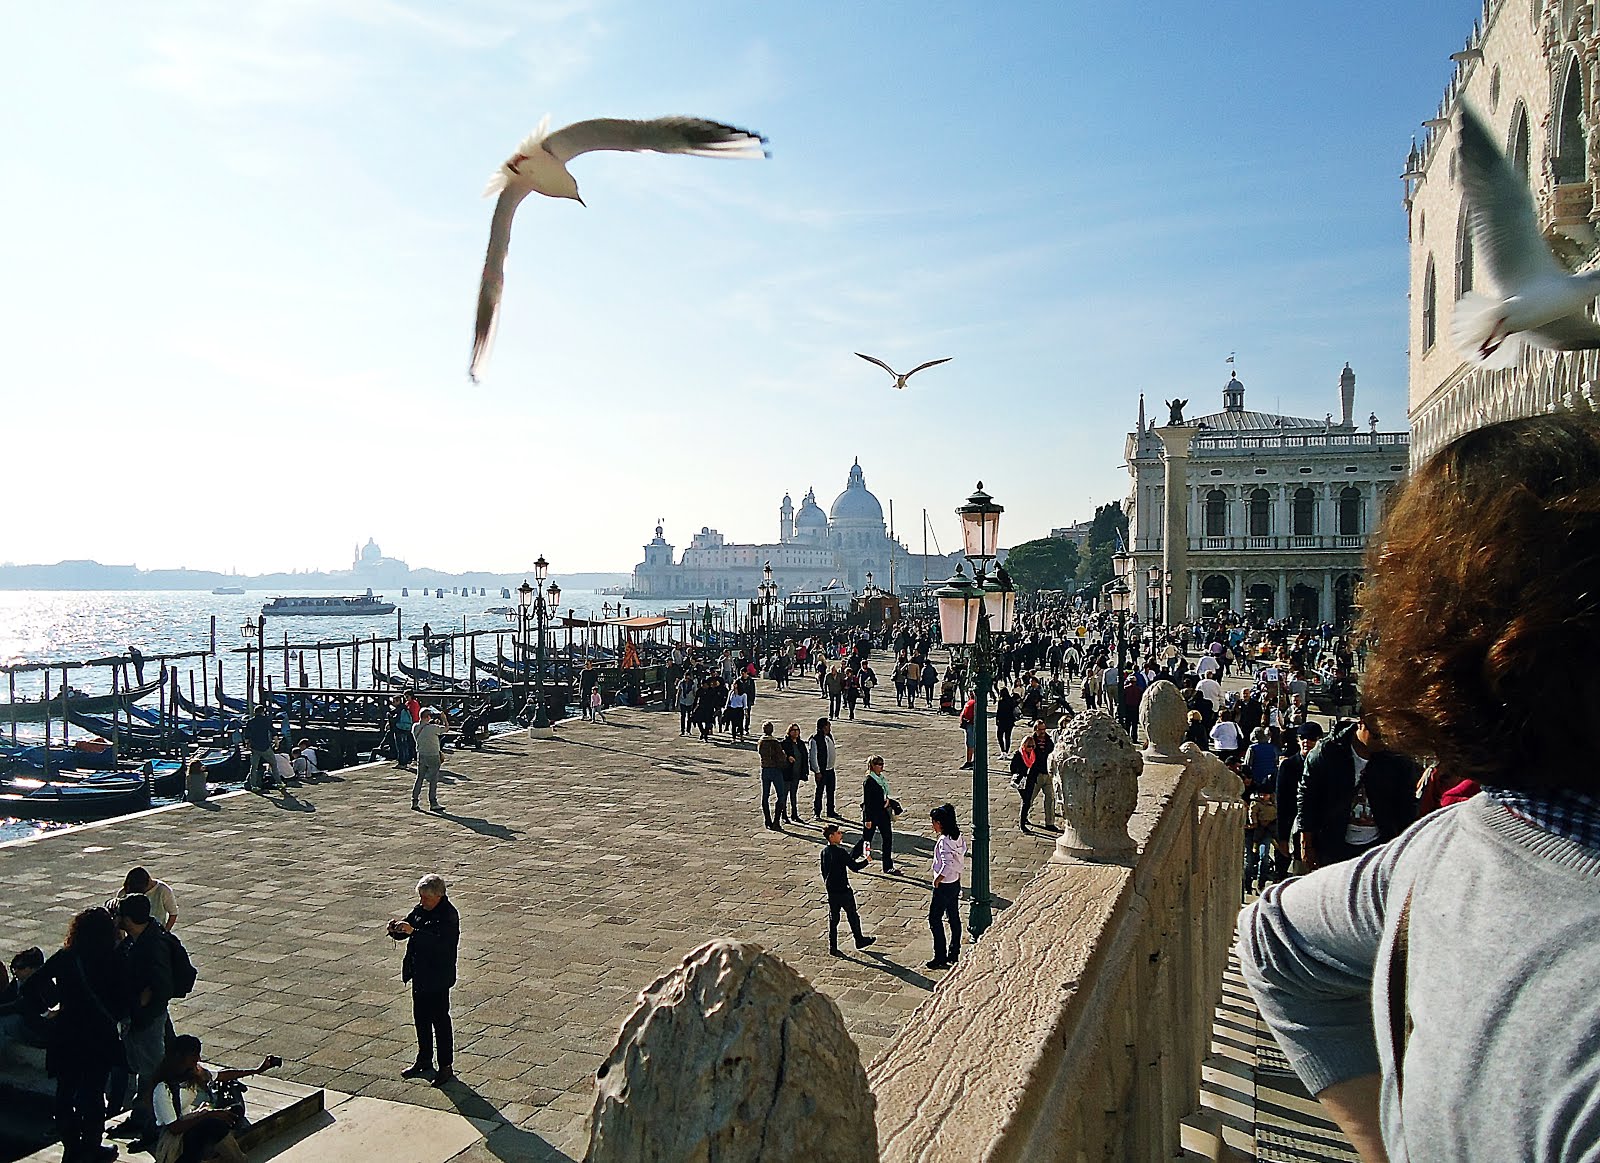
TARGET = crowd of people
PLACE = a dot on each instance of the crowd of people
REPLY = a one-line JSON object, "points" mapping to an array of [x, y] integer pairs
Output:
{"points": [[100, 1009]]}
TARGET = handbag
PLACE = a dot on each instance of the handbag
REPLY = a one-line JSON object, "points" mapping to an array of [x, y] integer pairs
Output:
{"points": [[894, 808]]}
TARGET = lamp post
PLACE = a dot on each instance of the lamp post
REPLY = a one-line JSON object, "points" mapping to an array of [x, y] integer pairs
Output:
{"points": [[524, 608], [541, 571], [1153, 592], [969, 612], [250, 632], [1121, 597], [768, 590]]}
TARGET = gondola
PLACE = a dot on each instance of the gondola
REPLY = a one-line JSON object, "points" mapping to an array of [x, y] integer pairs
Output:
{"points": [[37, 710], [75, 802], [35, 755], [222, 766], [433, 678]]}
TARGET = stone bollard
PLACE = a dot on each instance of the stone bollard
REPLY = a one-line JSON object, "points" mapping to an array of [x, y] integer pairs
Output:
{"points": [[733, 1057], [1163, 717], [1096, 767]]}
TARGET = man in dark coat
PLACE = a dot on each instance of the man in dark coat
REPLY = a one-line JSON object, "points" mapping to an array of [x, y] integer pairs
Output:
{"points": [[1290, 770], [837, 864], [1354, 795], [432, 931]]}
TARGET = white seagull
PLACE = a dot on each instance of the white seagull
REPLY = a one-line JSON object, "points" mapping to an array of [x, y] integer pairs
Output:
{"points": [[540, 166], [900, 380], [1539, 301]]}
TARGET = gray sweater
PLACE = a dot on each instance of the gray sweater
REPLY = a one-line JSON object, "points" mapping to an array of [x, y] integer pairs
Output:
{"points": [[1503, 1061]]}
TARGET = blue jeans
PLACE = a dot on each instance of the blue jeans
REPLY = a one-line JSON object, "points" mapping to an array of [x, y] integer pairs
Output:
{"points": [[772, 781]]}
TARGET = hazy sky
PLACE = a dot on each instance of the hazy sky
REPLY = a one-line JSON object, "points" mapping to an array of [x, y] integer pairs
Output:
{"points": [[241, 247]]}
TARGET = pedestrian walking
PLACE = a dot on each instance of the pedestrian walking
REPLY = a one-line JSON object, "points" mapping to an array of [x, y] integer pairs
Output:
{"points": [[597, 704], [837, 864], [1026, 771], [824, 752], [430, 757], [774, 764], [878, 809], [686, 690], [432, 932], [949, 859]]}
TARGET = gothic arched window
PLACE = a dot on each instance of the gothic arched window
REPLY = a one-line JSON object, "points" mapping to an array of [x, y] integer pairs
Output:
{"points": [[1571, 163], [1517, 146], [1463, 254], [1430, 308]]}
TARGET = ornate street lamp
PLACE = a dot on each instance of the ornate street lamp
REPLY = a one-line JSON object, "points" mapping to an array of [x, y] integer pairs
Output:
{"points": [[970, 611], [541, 571], [1121, 598], [1153, 592], [525, 610], [253, 631], [768, 590]]}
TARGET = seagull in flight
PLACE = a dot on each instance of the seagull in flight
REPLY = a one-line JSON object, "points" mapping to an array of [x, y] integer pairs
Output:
{"points": [[900, 380], [1538, 301], [540, 166]]}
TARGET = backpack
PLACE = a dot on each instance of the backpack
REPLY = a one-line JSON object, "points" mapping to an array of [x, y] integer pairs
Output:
{"points": [[184, 973]]}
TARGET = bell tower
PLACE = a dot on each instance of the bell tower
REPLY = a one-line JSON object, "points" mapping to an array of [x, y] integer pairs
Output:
{"points": [[786, 520]]}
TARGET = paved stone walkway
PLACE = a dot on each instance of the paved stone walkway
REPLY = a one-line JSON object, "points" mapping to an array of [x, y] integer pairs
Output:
{"points": [[583, 866]]}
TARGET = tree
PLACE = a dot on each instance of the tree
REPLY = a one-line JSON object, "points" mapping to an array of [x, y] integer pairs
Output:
{"points": [[1108, 534], [1050, 563]]}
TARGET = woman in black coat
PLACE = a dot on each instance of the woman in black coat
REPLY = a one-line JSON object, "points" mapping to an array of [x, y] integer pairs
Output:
{"points": [[84, 978], [794, 747], [1005, 717]]}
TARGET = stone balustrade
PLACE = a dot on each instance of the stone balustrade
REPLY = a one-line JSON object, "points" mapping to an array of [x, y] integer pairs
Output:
{"points": [[1074, 1029]]}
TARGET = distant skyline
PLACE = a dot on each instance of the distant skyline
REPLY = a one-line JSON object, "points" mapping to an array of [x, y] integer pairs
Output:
{"points": [[246, 239]]}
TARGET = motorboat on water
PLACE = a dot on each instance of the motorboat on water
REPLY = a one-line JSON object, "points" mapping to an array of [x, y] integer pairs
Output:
{"points": [[328, 605], [232, 590]]}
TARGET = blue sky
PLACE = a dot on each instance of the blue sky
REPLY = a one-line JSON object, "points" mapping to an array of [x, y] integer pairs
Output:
{"points": [[242, 244]]}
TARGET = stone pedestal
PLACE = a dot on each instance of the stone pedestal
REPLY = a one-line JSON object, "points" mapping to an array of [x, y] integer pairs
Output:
{"points": [[1175, 440]]}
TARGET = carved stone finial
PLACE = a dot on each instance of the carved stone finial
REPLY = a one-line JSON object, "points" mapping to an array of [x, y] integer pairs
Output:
{"points": [[733, 1056], [1097, 769], [1219, 782], [1163, 718]]}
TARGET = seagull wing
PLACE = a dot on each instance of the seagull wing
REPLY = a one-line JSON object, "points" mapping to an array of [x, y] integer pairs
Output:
{"points": [[930, 363], [494, 271], [880, 363], [1573, 332], [691, 135], [1505, 229]]}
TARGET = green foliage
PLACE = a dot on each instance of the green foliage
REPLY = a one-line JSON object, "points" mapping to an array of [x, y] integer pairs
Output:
{"points": [[1108, 530], [1050, 563]]}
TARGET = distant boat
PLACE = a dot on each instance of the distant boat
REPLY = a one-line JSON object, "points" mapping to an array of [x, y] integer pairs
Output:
{"points": [[228, 590], [328, 606]]}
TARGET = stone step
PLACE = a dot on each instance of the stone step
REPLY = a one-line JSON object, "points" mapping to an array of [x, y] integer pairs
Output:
{"points": [[275, 1108]]}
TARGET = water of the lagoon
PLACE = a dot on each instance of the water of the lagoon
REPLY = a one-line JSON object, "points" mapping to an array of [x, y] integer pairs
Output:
{"points": [[71, 625]]}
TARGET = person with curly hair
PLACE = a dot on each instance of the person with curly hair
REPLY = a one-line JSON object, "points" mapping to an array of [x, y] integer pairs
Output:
{"points": [[83, 977], [1436, 992]]}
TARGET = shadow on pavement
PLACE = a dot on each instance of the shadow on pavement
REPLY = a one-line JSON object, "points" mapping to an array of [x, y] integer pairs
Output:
{"points": [[482, 827], [507, 1141], [288, 803]]}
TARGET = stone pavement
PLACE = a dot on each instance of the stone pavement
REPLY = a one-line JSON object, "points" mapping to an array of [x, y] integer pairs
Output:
{"points": [[583, 866]]}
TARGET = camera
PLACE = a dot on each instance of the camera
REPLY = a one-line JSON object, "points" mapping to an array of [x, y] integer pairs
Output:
{"points": [[229, 1096]]}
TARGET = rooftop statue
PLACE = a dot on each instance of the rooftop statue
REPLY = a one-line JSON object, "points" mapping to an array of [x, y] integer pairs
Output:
{"points": [[1175, 411]]}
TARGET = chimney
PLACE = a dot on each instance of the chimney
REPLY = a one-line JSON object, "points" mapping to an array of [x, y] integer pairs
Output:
{"points": [[1347, 395]]}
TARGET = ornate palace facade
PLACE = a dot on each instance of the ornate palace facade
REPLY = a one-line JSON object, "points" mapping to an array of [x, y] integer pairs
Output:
{"points": [[1278, 510], [1530, 69]]}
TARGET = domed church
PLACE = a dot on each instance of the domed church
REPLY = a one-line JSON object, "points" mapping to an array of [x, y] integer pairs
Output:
{"points": [[813, 550]]}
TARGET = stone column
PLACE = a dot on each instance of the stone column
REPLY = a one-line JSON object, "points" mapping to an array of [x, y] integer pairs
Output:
{"points": [[1175, 440]]}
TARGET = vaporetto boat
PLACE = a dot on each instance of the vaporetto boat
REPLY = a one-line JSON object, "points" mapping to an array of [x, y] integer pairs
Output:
{"points": [[328, 606]]}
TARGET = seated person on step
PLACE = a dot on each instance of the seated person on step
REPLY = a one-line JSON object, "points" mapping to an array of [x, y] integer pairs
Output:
{"points": [[196, 1109], [22, 1022]]}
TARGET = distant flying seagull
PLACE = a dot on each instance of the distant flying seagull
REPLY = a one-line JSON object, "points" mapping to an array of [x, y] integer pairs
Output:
{"points": [[1538, 301], [900, 380], [540, 166]]}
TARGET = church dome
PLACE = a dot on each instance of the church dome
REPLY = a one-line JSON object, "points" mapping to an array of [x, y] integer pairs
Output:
{"points": [[810, 514], [856, 503]]}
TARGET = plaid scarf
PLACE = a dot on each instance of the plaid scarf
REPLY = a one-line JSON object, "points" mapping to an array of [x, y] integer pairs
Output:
{"points": [[1567, 814]]}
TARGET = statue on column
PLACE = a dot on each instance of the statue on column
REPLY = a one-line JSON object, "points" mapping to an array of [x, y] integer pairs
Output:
{"points": [[1175, 412]]}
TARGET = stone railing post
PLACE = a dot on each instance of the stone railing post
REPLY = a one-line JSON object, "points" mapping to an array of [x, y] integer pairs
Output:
{"points": [[733, 1056], [1094, 772]]}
